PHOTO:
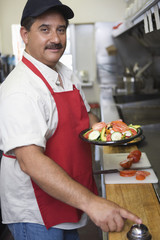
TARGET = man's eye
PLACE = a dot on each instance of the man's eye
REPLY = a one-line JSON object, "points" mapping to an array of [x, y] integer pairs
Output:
{"points": [[61, 30], [44, 29]]}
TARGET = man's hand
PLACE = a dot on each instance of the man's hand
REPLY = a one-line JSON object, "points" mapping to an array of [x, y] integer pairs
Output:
{"points": [[109, 216]]}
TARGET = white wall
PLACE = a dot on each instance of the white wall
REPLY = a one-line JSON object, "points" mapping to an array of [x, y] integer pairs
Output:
{"points": [[86, 11], [96, 10], [0, 28]]}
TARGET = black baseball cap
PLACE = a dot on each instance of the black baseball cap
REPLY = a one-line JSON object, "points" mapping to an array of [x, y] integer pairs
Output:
{"points": [[34, 8]]}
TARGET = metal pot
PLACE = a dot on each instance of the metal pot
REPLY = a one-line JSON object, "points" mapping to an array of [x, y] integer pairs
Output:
{"points": [[132, 84], [129, 84]]}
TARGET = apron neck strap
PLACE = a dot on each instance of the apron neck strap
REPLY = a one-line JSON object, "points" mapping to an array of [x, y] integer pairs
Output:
{"points": [[37, 72]]}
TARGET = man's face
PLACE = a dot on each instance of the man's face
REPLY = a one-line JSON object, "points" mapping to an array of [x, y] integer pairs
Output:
{"points": [[46, 40]]}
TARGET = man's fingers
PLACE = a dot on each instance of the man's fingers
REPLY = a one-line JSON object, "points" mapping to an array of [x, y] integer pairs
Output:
{"points": [[128, 215], [112, 225], [105, 228], [119, 222]]}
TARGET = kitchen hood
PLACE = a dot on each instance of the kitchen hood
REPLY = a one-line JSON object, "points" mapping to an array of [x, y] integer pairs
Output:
{"points": [[150, 40], [144, 26]]}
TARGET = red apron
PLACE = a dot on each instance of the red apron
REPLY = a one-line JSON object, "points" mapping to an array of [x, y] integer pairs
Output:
{"points": [[68, 151]]}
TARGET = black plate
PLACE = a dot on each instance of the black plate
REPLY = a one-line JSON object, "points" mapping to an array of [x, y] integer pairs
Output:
{"points": [[135, 141], [120, 142]]}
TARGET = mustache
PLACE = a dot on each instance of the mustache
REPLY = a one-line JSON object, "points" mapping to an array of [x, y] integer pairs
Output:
{"points": [[54, 46]]}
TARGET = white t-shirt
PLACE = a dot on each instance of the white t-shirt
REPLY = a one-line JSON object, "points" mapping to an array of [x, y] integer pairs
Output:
{"points": [[28, 115]]}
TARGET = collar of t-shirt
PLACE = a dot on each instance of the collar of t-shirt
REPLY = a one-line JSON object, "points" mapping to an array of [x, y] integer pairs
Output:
{"points": [[52, 76]]}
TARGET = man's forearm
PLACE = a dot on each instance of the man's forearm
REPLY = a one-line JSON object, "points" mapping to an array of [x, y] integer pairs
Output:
{"points": [[57, 183], [52, 178], [92, 118]]}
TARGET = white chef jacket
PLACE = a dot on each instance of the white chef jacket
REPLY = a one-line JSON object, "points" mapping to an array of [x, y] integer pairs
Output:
{"points": [[28, 115]]}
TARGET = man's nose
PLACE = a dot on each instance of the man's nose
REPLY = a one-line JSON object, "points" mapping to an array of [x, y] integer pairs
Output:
{"points": [[55, 37]]}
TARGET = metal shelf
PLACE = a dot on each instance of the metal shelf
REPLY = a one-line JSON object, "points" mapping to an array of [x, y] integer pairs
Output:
{"points": [[137, 18]]}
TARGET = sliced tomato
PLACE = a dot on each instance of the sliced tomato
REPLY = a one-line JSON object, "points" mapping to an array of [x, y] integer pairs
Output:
{"points": [[99, 126], [87, 133], [136, 152], [119, 126], [127, 173], [126, 163], [135, 155], [140, 177], [109, 137], [133, 131], [134, 158], [142, 172]]}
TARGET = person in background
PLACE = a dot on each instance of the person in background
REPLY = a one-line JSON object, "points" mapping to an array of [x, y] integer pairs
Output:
{"points": [[48, 187]]}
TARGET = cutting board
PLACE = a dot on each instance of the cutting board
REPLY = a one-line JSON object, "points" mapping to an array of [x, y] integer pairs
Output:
{"points": [[113, 160], [115, 178]]}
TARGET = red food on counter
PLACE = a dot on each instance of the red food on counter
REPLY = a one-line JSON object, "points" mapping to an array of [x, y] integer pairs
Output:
{"points": [[145, 173], [141, 175], [135, 155], [135, 159], [127, 173], [126, 163], [136, 152]]}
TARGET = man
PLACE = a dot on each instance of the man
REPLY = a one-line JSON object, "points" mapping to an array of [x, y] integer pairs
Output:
{"points": [[48, 187]]}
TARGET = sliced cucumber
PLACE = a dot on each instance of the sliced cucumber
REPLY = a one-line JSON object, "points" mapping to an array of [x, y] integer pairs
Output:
{"points": [[116, 136], [94, 135], [127, 133]]}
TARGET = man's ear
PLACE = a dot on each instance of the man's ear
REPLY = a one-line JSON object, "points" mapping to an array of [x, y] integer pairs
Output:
{"points": [[24, 34]]}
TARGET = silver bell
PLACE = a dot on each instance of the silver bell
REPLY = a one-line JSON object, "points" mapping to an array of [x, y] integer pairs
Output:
{"points": [[139, 232]]}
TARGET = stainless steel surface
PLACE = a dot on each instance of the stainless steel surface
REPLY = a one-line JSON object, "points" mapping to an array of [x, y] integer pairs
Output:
{"points": [[139, 232], [108, 108], [133, 98], [151, 145], [145, 8], [141, 114]]}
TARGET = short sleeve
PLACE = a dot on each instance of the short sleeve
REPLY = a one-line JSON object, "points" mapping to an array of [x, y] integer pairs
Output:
{"points": [[23, 121]]}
